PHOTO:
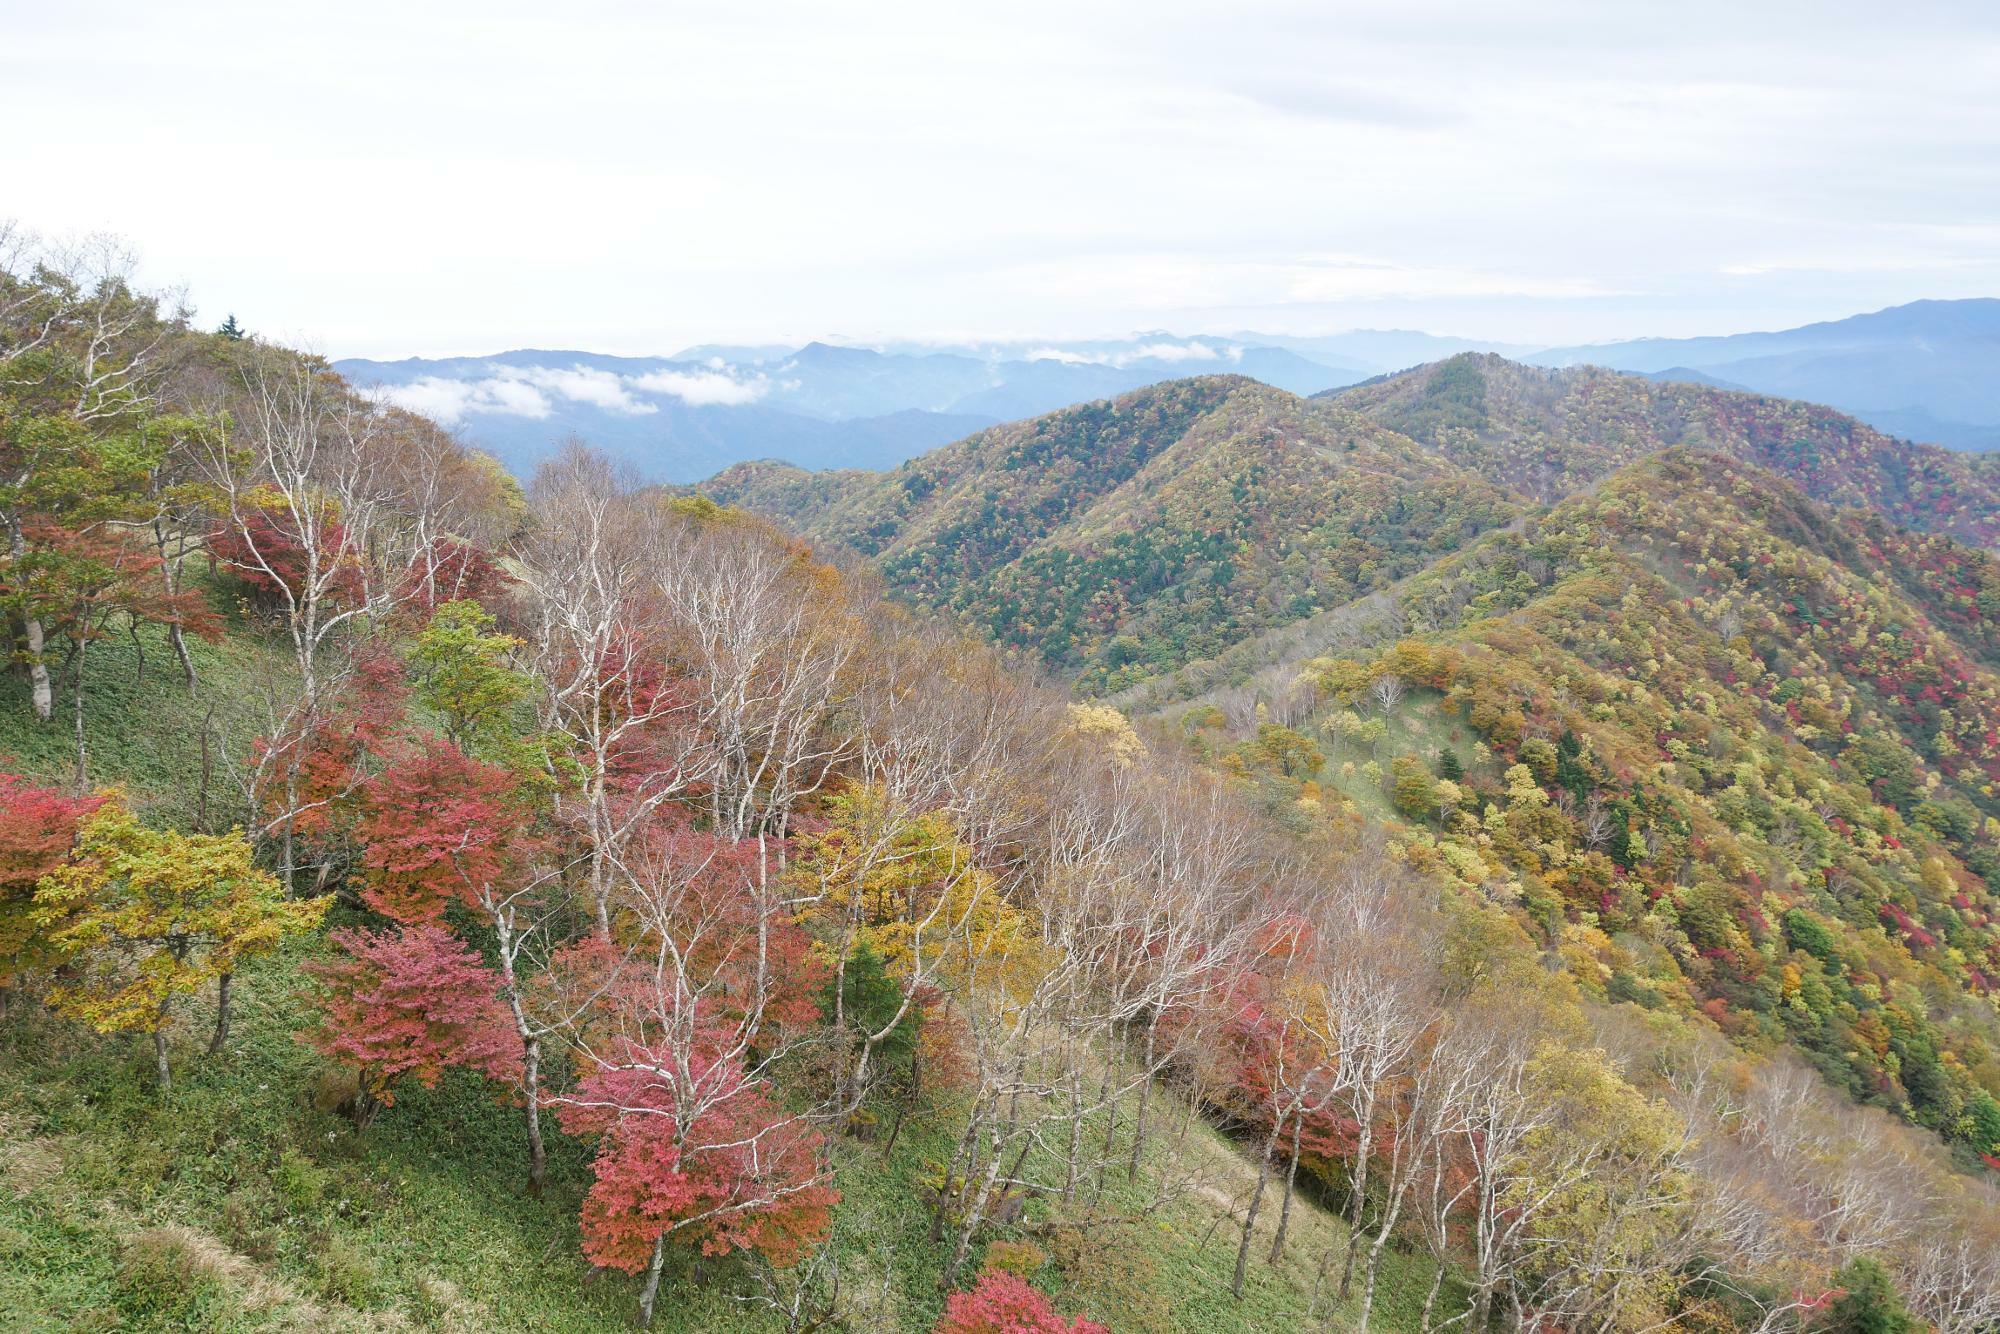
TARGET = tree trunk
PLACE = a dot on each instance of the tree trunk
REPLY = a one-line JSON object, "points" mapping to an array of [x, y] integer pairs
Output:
{"points": [[1482, 1306], [1430, 1299], [1291, 1181], [1373, 1268], [975, 1216], [1366, 1133], [160, 1051], [82, 742], [41, 689], [531, 1078], [179, 641], [651, 1291], [207, 774], [1319, 1281], [909, 1100], [215, 1044], [1250, 1215], [170, 575]]}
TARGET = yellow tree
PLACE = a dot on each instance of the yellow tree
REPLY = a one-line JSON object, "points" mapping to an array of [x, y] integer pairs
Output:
{"points": [[145, 916]]}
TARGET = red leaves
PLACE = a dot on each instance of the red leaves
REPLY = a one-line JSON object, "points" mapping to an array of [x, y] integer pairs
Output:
{"points": [[706, 889], [690, 1148], [38, 827], [439, 825], [451, 571], [414, 1001], [1002, 1303], [332, 753], [264, 548]]}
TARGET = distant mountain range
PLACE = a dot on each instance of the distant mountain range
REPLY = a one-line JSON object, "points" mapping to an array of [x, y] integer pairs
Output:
{"points": [[1928, 371], [1194, 514], [684, 417]]}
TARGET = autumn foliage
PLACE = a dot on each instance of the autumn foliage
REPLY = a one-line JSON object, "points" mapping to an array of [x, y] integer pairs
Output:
{"points": [[696, 1150], [38, 829], [1002, 1303], [415, 1002]]}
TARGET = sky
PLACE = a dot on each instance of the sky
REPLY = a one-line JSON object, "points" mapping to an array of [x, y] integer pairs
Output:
{"points": [[444, 178]]}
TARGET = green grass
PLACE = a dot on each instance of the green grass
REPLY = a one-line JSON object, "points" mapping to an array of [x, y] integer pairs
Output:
{"points": [[1417, 726], [420, 1220], [144, 729]]}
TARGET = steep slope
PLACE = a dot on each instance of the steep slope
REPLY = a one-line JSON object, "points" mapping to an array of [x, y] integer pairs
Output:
{"points": [[1552, 432], [1121, 538], [1725, 750]]}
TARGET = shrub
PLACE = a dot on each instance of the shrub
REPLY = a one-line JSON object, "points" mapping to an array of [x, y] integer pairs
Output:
{"points": [[347, 1273], [300, 1181], [1023, 1259], [1005, 1304]]}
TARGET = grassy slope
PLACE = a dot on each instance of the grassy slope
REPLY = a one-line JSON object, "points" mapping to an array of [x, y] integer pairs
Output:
{"points": [[236, 1203]]}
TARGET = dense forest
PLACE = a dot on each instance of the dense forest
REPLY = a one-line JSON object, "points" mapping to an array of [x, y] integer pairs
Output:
{"points": [[427, 900], [1714, 730]]}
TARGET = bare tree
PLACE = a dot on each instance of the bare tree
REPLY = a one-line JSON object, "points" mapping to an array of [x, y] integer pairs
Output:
{"points": [[598, 646], [1387, 692]]}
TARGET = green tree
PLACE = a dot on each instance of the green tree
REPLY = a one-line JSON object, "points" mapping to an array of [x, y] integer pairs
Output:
{"points": [[1411, 787], [463, 674], [866, 999], [1287, 751], [1868, 1304]]}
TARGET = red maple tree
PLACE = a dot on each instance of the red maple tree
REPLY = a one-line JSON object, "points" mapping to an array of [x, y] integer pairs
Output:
{"points": [[414, 1001], [1003, 1303]]}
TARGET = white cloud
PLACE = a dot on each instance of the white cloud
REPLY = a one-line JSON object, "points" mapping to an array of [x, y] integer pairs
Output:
{"points": [[529, 391], [1123, 357], [1177, 352], [450, 401], [582, 384], [702, 389]]}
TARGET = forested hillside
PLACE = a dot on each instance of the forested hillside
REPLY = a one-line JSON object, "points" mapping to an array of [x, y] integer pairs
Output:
{"points": [[1125, 536], [427, 902], [1725, 754], [1550, 433]]}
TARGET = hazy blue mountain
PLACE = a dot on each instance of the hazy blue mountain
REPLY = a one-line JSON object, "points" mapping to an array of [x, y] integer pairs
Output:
{"points": [[736, 354], [1929, 369], [1916, 424], [1374, 351], [1689, 375], [823, 405]]}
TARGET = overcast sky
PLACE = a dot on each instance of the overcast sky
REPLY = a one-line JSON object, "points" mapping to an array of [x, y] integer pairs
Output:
{"points": [[427, 178]]}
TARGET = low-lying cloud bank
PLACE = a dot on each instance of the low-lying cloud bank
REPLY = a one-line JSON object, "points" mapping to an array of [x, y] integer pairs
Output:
{"points": [[534, 391]]}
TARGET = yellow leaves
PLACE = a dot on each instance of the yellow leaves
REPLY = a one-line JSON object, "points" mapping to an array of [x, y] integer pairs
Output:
{"points": [[911, 887], [1109, 729], [142, 915], [1522, 788]]}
